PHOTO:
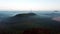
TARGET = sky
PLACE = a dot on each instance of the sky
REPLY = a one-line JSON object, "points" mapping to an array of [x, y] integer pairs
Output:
{"points": [[29, 4]]}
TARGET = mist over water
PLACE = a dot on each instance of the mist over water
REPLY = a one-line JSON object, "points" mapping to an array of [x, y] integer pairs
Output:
{"points": [[5, 14]]}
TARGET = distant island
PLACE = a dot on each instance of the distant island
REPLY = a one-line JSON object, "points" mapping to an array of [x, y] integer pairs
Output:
{"points": [[56, 11], [25, 15]]}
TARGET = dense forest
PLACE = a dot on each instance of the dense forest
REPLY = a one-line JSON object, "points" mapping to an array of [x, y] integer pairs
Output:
{"points": [[29, 23]]}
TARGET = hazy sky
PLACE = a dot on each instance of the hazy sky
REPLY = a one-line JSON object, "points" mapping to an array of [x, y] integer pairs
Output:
{"points": [[29, 4]]}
